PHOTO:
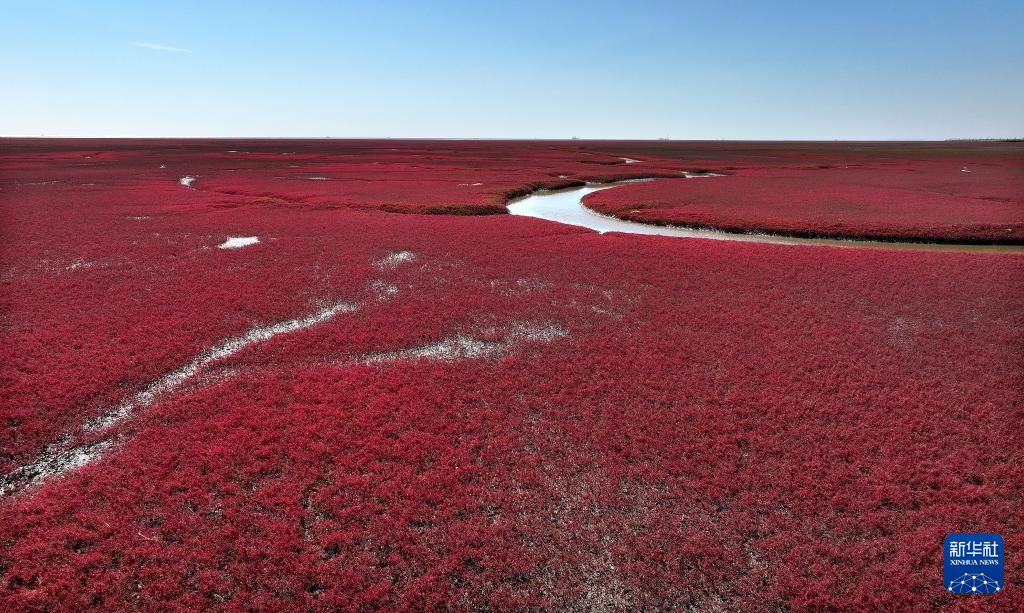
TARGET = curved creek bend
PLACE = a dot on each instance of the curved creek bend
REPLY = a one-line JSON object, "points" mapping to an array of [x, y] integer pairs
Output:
{"points": [[566, 206]]}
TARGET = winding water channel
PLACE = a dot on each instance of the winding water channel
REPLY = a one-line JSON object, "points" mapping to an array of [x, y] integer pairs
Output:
{"points": [[566, 206]]}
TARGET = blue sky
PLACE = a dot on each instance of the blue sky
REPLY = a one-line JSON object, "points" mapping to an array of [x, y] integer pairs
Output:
{"points": [[688, 70]]}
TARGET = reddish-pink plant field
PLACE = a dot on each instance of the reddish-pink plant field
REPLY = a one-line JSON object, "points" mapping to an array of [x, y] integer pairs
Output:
{"points": [[396, 400]]}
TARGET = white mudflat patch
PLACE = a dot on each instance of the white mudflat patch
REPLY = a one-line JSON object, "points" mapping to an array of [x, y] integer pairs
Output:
{"points": [[237, 242], [395, 259], [79, 264], [187, 181], [464, 346], [55, 460], [384, 290]]}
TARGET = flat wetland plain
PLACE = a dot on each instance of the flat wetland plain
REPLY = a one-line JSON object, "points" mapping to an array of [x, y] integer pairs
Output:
{"points": [[336, 374]]}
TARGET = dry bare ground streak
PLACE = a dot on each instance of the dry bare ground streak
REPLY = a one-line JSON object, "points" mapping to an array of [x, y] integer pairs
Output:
{"points": [[59, 458], [63, 455], [229, 347], [466, 347]]}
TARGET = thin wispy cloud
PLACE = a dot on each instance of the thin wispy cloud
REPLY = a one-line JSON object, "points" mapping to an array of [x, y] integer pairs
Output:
{"points": [[158, 47]]}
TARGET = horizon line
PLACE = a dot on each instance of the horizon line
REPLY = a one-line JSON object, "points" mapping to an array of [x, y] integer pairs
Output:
{"points": [[502, 138]]}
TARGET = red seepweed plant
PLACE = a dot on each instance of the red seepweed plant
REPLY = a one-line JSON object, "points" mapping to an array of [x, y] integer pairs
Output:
{"points": [[506, 412]]}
